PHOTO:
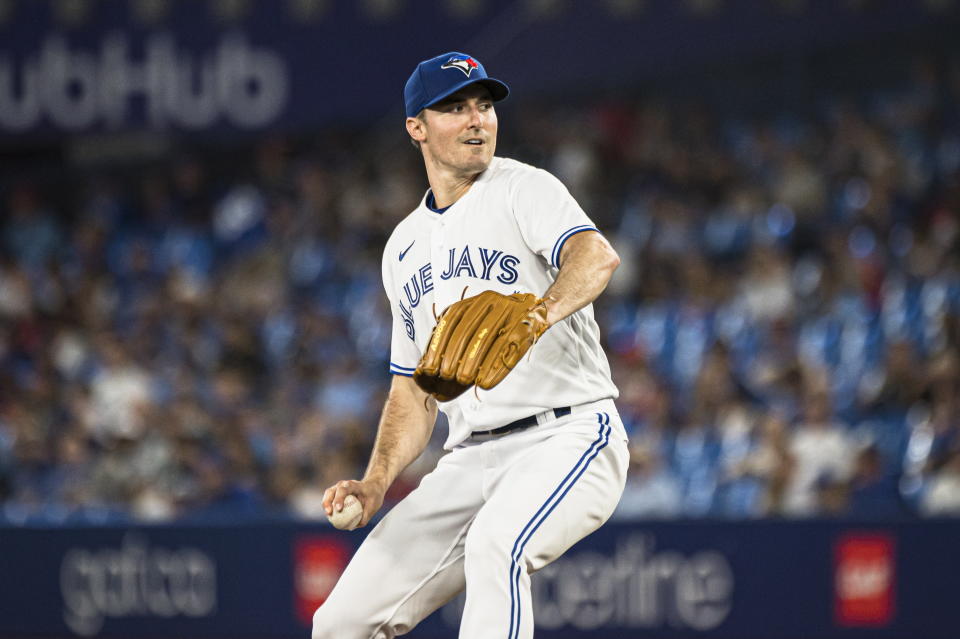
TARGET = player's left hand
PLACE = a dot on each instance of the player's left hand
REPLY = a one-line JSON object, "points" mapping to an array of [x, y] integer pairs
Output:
{"points": [[479, 340], [369, 492]]}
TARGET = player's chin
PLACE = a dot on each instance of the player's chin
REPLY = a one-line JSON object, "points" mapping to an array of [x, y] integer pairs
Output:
{"points": [[477, 159]]}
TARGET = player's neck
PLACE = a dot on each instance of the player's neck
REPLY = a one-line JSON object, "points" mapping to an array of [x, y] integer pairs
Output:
{"points": [[448, 186]]}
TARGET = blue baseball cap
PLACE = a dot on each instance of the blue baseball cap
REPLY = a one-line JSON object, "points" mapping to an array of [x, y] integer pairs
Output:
{"points": [[444, 75]]}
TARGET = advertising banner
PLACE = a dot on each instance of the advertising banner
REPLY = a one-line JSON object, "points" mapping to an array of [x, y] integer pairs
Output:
{"points": [[763, 580], [217, 66]]}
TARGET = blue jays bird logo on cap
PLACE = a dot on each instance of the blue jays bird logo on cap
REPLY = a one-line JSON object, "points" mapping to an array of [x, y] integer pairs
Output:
{"points": [[467, 65]]}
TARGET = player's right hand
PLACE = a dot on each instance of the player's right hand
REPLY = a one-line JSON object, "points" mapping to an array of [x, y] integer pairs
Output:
{"points": [[368, 491]]}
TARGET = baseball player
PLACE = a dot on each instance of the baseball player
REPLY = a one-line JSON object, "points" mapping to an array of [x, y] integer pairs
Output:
{"points": [[535, 463]]}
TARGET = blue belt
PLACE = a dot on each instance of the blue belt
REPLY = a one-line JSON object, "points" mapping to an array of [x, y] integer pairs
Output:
{"points": [[525, 422]]}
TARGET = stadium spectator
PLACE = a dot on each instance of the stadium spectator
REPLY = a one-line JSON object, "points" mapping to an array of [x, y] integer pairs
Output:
{"points": [[182, 337], [943, 492], [822, 454]]}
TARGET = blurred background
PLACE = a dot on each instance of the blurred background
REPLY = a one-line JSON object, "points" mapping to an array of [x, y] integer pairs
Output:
{"points": [[194, 338]]}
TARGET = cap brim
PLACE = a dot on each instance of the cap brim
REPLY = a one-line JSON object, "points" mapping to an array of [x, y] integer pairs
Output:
{"points": [[498, 90]]}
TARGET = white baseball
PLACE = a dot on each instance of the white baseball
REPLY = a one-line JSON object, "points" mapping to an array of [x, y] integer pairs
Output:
{"points": [[348, 518]]}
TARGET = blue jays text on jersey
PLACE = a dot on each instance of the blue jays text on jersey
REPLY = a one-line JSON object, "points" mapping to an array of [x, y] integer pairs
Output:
{"points": [[490, 263]]}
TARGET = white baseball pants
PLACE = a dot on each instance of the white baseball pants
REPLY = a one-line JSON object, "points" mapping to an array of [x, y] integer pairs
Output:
{"points": [[493, 511]]}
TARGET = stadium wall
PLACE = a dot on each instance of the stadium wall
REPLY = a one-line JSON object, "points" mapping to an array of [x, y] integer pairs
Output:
{"points": [[763, 580]]}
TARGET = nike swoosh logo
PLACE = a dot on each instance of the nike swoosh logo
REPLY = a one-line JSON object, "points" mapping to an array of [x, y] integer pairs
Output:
{"points": [[404, 252]]}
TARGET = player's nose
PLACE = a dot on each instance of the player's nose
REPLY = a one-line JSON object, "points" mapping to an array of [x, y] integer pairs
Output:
{"points": [[476, 117]]}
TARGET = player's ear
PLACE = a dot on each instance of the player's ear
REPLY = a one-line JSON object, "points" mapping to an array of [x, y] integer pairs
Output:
{"points": [[416, 129]]}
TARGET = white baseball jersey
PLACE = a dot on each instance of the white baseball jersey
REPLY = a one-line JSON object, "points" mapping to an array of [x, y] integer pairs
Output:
{"points": [[505, 234]]}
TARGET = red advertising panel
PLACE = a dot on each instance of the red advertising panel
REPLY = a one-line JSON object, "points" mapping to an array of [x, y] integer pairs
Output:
{"points": [[318, 562], [864, 579]]}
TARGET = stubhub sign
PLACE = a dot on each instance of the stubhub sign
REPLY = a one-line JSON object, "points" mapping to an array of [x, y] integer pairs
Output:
{"points": [[74, 88]]}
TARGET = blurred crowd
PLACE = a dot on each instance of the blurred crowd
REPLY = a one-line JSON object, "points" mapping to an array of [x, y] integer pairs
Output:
{"points": [[207, 335]]}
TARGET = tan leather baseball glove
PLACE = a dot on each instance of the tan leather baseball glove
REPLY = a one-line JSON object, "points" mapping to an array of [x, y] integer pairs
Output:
{"points": [[478, 340]]}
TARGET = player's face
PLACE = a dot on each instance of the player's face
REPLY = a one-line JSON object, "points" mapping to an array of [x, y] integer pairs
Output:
{"points": [[461, 131]]}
